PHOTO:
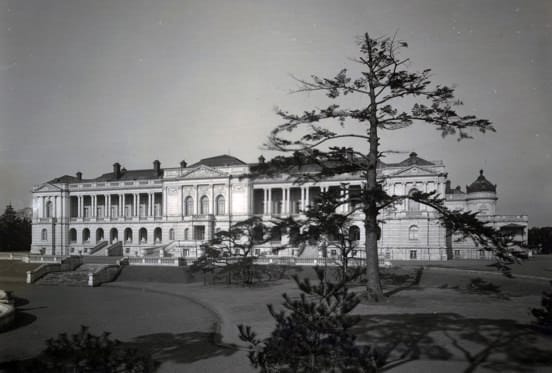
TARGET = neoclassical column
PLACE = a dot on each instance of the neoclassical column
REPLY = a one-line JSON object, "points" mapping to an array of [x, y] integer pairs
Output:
{"points": [[212, 200], [307, 197], [196, 200], [265, 201], [119, 205], [270, 201], [135, 202], [302, 204], [285, 201], [107, 212]]}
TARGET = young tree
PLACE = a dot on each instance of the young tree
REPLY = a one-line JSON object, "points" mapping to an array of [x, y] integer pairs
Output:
{"points": [[313, 333], [232, 251], [332, 230], [387, 85]]}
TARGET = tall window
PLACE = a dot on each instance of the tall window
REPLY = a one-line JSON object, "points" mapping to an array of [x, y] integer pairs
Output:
{"points": [[413, 205], [189, 206], [44, 235], [204, 205], [171, 234], [187, 234], [49, 209], [354, 233], [220, 205], [413, 232], [72, 235], [86, 235]]}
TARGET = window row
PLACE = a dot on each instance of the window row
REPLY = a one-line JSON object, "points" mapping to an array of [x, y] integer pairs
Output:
{"points": [[220, 204]]}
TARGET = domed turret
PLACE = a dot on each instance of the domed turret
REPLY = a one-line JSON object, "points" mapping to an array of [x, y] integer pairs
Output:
{"points": [[481, 195], [481, 184]]}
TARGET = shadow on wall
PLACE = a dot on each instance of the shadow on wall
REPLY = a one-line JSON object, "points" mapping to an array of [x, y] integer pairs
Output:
{"points": [[500, 345]]}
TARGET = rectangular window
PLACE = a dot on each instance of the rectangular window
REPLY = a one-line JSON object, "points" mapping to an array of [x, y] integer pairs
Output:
{"points": [[185, 252], [257, 252], [199, 232], [413, 254], [457, 254]]}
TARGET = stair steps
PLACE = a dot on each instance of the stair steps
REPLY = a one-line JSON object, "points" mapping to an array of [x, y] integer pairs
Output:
{"points": [[78, 277]]}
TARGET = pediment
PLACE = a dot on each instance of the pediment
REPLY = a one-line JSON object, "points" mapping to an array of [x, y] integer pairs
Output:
{"points": [[46, 187], [203, 172], [414, 171]]}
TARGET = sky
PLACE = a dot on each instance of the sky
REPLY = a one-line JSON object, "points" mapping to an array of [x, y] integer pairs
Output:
{"points": [[84, 84]]}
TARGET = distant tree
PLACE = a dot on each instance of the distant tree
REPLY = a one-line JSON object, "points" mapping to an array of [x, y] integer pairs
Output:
{"points": [[540, 238], [313, 332], [384, 86], [232, 251], [15, 231]]}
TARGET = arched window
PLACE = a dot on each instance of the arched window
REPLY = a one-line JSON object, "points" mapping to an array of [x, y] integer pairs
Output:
{"points": [[99, 234], [187, 234], [171, 234], [189, 206], [413, 232], [413, 205], [143, 235], [72, 235], [128, 235], [220, 205], [204, 205], [114, 235], [354, 233], [44, 235], [157, 235], [86, 235], [49, 209]]}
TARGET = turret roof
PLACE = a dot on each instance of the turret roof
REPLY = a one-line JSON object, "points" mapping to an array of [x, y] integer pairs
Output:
{"points": [[481, 184]]}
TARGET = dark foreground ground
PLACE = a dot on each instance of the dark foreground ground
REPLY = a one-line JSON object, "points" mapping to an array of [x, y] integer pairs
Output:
{"points": [[179, 320]]}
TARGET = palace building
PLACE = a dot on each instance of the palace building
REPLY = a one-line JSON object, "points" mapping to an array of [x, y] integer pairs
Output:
{"points": [[171, 211]]}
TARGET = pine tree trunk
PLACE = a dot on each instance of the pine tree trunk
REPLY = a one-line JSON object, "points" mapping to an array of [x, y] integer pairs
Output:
{"points": [[373, 284]]}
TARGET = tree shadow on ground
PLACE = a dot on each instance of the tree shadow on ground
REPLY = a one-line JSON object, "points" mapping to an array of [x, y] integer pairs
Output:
{"points": [[181, 348], [498, 345]]}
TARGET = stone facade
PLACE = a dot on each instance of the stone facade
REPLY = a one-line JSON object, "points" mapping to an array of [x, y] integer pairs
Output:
{"points": [[172, 211]]}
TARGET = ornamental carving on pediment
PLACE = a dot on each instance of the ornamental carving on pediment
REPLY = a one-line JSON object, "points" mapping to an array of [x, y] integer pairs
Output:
{"points": [[204, 173]]}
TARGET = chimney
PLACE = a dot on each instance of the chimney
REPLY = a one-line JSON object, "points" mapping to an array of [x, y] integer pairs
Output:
{"points": [[183, 164], [261, 159], [157, 167], [79, 176], [117, 170], [350, 154]]}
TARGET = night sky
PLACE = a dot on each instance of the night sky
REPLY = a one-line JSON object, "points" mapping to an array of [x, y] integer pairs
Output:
{"points": [[84, 84]]}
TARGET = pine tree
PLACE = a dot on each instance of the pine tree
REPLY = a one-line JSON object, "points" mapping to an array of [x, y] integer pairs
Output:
{"points": [[313, 332], [310, 141]]}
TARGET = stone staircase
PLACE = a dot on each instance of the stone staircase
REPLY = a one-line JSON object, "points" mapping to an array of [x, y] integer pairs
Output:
{"points": [[78, 277]]}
